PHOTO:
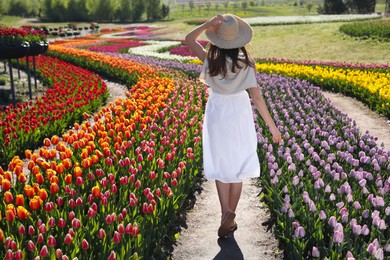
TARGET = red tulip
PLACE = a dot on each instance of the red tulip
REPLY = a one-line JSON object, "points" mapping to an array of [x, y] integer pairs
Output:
{"points": [[121, 229], [30, 245], [22, 229], [59, 254], [59, 201], [101, 233], [71, 232], [152, 175], [40, 238], [79, 201], [91, 213], [76, 223], [71, 215], [9, 255], [44, 252], [61, 223], [51, 241], [68, 239], [117, 237], [42, 228], [52, 222], [138, 184], [112, 256], [31, 230], [19, 255], [84, 244]]}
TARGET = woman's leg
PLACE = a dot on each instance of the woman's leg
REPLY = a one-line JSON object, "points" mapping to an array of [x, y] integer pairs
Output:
{"points": [[229, 195], [234, 195], [223, 190]]}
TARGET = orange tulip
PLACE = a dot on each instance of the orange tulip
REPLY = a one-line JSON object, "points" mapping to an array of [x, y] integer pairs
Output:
{"points": [[96, 191], [55, 139], [54, 188], [10, 215], [35, 170], [46, 142], [30, 165], [60, 168], [53, 165], [18, 170], [8, 198], [5, 184], [1, 235], [29, 191], [23, 213], [77, 172], [67, 163], [35, 203], [19, 200], [39, 178], [54, 179], [22, 178], [68, 179], [43, 194], [8, 175]]}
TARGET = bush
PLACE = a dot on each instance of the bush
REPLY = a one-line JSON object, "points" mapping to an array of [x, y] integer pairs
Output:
{"points": [[370, 29]]}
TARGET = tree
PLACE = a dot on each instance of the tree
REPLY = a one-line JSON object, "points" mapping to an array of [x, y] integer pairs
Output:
{"points": [[165, 11], [226, 4], [387, 6], [138, 9], [77, 11], [333, 7], [153, 9], [191, 5], [244, 5], [362, 6], [123, 11]]}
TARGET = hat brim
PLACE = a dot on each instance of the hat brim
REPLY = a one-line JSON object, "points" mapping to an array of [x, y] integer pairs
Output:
{"points": [[245, 36]]}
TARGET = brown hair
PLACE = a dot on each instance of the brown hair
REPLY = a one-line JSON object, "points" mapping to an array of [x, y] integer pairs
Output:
{"points": [[216, 58]]}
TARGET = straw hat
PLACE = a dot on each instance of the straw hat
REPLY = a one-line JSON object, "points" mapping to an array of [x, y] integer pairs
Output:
{"points": [[233, 32]]}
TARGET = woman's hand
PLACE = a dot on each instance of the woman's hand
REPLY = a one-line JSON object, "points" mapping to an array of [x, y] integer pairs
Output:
{"points": [[276, 135], [215, 21]]}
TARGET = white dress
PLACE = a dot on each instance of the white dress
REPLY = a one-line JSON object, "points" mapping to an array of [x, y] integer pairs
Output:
{"points": [[229, 135]]}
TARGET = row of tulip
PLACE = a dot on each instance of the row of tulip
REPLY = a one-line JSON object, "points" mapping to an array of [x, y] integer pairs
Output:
{"points": [[326, 184], [370, 87], [73, 91], [114, 178]]}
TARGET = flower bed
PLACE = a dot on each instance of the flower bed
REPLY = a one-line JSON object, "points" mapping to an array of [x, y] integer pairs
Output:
{"points": [[327, 184], [370, 87], [72, 92]]}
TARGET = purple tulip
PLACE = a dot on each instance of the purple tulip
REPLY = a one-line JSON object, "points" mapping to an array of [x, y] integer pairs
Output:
{"points": [[338, 237], [315, 252], [332, 221]]}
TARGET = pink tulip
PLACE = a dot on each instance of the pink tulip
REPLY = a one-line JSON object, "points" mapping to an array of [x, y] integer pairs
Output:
{"points": [[315, 252]]}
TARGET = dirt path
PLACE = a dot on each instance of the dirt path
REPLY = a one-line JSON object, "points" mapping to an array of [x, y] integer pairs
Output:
{"points": [[366, 119]]}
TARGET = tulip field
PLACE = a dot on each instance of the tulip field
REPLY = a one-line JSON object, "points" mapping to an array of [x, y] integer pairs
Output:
{"points": [[80, 180]]}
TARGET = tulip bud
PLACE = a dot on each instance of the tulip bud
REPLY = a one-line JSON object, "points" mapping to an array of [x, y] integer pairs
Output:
{"points": [[51, 241], [19, 255], [68, 239], [44, 252], [30, 245], [117, 237], [101, 233], [22, 229], [58, 253], [84, 244]]}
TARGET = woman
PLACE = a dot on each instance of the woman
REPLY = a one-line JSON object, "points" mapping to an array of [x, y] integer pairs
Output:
{"points": [[229, 135]]}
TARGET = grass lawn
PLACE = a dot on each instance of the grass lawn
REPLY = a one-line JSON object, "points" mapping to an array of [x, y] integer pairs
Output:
{"points": [[320, 42]]}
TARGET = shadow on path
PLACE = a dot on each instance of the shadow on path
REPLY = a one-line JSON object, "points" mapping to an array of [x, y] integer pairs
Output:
{"points": [[229, 249]]}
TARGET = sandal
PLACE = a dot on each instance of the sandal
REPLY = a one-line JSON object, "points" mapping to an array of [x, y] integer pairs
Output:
{"points": [[226, 227], [234, 227]]}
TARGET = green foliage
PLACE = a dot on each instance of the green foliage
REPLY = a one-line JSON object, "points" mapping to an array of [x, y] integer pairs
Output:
{"points": [[379, 29]]}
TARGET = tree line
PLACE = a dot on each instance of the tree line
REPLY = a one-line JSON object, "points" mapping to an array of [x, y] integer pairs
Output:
{"points": [[86, 10]]}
